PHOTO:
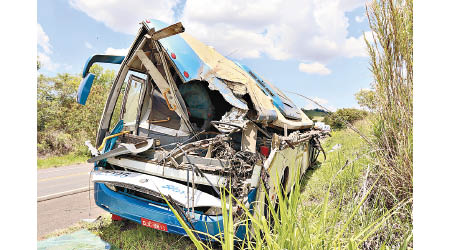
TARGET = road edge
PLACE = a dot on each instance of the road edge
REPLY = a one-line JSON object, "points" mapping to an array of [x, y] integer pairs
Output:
{"points": [[61, 194]]}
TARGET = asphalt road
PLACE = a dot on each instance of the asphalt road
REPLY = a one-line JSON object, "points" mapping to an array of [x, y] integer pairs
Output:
{"points": [[63, 198]]}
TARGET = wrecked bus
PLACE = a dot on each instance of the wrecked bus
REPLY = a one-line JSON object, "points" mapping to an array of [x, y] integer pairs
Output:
{"points": [[190, 122]]}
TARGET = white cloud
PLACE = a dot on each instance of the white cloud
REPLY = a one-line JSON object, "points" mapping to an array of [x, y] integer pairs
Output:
{"points": [[355, 47], [306, 30], [88, 45], [359, 19], [321, 101], [314, 68], [44, 43], [301, 30], [125, 16], [46, 62], [116, 52], [43, 40]]}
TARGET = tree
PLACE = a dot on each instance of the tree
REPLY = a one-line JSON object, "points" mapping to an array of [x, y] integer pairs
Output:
{"points": [[63, 125], [366, 99], [338, 119]]}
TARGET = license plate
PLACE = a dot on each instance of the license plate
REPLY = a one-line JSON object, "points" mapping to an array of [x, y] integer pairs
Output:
{"points": [[153, 224]]}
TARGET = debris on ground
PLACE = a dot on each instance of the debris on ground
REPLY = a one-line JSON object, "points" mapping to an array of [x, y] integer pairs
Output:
{"points": [[335, 147], [82, 239]]}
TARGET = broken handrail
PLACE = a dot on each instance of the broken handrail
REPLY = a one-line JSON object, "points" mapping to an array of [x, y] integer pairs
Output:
{"points": [[109, 137], [159, 121], [169, 106]]}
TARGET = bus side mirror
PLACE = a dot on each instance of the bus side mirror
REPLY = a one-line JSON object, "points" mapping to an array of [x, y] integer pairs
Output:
{"points": [[85, 88], [88, 78]]}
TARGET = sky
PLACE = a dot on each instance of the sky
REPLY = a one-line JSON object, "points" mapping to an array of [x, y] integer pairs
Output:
{"points": [[312, 47]]}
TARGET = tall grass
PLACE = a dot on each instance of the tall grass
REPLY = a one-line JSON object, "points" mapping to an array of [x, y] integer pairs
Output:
{"points": [[56, 161], [328, 209], [391, 53]]}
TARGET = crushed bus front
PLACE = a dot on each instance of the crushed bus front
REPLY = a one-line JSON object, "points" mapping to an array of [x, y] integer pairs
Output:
{"points": [[181, 124]]}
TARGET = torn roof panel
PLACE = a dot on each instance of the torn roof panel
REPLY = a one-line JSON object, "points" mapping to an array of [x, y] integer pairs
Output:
{"points": [[218, 84], [187, 61], [289, 110], [197, 61]]}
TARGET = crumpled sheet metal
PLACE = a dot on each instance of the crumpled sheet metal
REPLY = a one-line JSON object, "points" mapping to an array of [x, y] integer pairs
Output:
{"points": [[235, 116], [186, 59], [219, 85], [197, 61]]}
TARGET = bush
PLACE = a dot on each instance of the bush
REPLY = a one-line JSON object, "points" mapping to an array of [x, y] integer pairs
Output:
{"points": [[54, 141], [63, 125], [340, 118], [366, 99]]}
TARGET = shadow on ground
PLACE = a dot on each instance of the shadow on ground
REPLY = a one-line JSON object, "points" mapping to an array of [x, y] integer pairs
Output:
{"points": [[307, 176]]}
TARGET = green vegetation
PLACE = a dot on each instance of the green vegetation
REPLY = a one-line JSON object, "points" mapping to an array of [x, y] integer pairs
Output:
{"points": [[340, 118], [55, 161], [316, 115], [391, 55], [329, 209], [359, 197], [62, 124], [366, 99]]}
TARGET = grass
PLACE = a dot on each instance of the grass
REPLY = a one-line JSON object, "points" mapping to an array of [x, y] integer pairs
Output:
{"points": [[128, 235], [56, 161], [391, 62], [328, 210], [318, 118], [315, 114]]}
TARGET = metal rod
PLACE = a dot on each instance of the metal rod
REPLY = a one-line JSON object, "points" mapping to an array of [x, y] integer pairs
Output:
{"points": [[200, 172], [347, 123], [193, 189], [150, 99], [187, 189]]}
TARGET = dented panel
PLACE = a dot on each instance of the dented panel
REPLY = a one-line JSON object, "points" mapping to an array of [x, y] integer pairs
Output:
{"points": [[156, 185], [195, 123], [186, 60], [202, 62], [219, 85]]}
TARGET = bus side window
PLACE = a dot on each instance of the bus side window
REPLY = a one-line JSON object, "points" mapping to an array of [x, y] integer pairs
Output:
{"points": [[132, 102]]}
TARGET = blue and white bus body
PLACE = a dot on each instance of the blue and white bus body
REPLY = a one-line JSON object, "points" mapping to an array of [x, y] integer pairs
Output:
{"points": [[180, 101]]}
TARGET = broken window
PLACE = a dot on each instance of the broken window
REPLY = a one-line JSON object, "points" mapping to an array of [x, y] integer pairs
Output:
{"points": [[133, 97]]}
